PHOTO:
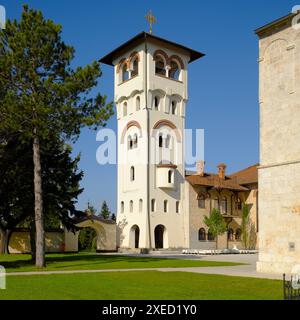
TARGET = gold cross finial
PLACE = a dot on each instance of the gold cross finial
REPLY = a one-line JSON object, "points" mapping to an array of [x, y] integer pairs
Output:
{"points": [[151, 19]]}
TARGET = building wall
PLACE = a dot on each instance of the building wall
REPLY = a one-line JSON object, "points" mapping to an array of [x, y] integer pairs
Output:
{"points": [[54, 241], [196, 216], [279, 183]]}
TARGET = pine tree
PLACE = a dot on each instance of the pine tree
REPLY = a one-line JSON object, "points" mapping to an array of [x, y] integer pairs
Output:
{"points": [[42, 96], [105, 213]]}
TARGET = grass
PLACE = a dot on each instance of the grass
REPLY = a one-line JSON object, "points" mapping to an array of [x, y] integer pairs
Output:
{"points": [[85, 261], [140, 285]]}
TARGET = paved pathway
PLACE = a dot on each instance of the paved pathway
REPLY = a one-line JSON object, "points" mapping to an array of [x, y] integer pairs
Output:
{"points": [[248, 270]]}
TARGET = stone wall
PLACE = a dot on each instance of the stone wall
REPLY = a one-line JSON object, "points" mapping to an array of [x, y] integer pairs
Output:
{"points": [[279, 174]]}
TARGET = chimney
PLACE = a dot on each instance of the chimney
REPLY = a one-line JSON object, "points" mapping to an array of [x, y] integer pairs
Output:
{"points": [[222, 170], [200, 167]]}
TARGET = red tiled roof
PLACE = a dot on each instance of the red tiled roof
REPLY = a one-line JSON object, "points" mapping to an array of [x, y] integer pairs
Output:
{"points": [[246, 176], [213, 180]]}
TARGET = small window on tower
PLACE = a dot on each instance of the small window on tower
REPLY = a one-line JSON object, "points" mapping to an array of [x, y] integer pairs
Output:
{"points": [[173, 107], [156, 103], [153, 205], [177, 206], [138, 103], [131, 206], [160, 141], [125, 109], [166, 206], [122, 206], [135, 141], [170, 176], [132, 177]]}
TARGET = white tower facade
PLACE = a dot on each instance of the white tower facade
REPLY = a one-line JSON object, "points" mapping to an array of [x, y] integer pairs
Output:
{"points": [[151, 93]]}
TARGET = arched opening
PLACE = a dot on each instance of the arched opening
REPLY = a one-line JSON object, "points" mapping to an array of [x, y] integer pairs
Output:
{"points": [[132, 174], [153, 205], [216, 203], [135, 141], [201, 201], [173, 107], [135, 68], [160, 66], [160, 141], [174, 71], [122, 207], [238, 235], [156, 103], [125, 73], [135, 236], [125, 109], [230, 234], [170, 176], [201, 234], [131, 206], [166, 206], [87, 239], [140, 205], [138, 103], [224, 205], [177, 206], [159, 235]]}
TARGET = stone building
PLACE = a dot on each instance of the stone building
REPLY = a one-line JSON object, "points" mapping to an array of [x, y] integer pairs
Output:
{"points": [[227, 193], [158, 204], [279, 171]]}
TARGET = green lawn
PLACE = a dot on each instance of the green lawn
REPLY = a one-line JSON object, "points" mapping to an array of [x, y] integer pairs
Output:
{"points": [[85, 261], [140, 285]]}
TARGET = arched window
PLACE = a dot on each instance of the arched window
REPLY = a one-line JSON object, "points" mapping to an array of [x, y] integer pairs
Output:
{"points": [[131, 206], [138, 103], [132, 174], [224, 205], [140, 205], [135, 67], [166, 206], [125, 109], [216, 203], [210, 236], [177, 206], [174, 70], [239, 204], [122, 206], [130, 142], [160, 141], [156, 103], [201, 201], [153, 205], [170, 176], [238, 235], [135, 141], [173, 107], [160, 66], [230, 234], [125, 73], [168, 140], [201, 234]]}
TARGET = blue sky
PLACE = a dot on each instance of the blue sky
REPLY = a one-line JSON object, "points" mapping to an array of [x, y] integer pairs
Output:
{"points": [[223, 87]]}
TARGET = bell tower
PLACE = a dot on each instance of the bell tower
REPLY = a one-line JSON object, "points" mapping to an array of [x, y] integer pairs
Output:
{"points": [[151, 94]]}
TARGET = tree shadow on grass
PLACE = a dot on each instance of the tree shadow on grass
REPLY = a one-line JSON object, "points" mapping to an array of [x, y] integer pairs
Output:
{"points": [[88, 259]]}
